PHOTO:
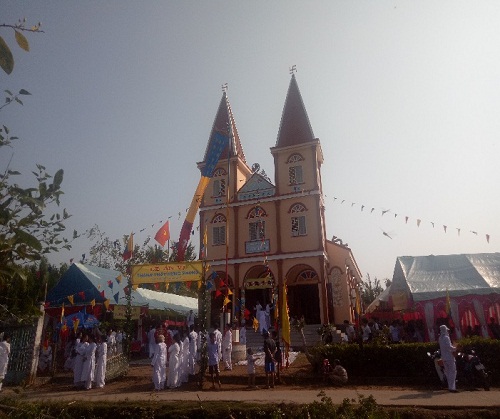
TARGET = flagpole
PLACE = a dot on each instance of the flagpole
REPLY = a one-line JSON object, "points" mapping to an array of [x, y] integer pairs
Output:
{"points": [[229, 141]]}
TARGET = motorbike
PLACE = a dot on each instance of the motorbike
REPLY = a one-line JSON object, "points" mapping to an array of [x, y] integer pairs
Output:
{"points": [[471, 370], [439, 366]]}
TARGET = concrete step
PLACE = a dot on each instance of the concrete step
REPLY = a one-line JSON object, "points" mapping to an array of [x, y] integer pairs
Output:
{"points": [[256, 341]]}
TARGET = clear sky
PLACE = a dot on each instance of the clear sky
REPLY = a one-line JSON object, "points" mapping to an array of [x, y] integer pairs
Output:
{"points": [[403, 95]]}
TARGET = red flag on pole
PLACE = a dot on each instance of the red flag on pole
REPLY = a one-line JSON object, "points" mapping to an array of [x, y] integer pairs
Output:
{"points": [[163, 234]]}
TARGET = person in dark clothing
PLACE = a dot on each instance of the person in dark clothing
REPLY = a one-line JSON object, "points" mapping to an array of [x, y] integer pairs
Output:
{"points": [[270, 351]]}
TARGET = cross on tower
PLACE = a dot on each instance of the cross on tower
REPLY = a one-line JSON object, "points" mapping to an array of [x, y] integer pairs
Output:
{"points": [[293, 69], [224, 87]]}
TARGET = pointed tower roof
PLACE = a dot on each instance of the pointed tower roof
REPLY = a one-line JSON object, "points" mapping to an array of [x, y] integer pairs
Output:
{"points": [[224, 122], [295, 127]]}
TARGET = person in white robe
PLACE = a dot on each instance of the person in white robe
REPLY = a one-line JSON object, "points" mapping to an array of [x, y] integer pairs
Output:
{"points": [[80, 346], [111, 341], [193, 350], [261, 318], [184, 370], [227, 347], [218, 339], [159, 363], [4, 357], [151, 341], [101, 359], [173, 363], [88, 366]]}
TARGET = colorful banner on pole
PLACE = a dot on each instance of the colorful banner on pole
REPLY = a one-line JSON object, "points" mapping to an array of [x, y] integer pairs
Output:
{"points": [[217, 145], [166, 272]]}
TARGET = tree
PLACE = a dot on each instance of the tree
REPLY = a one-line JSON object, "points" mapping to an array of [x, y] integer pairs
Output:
{"points": [[6, 56], [31, 224], [370, 290]]}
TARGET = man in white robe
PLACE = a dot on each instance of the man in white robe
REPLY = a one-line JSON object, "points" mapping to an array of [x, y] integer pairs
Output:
{"points": [[88, 367], [227, 347], [151, 341], [159, 362], [193, 350], [101, 359], [173, 363], [80, 346]]}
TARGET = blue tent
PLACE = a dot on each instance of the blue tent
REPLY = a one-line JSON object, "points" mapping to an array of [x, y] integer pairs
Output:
{"points": [[87, 321]]}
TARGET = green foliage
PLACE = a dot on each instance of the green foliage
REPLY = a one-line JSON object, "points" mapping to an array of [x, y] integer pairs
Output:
{"points": [[6, 56], [370, 290], [405, 360], [31, 224]]}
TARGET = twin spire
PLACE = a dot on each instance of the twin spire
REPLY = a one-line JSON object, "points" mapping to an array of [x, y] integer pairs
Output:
{"points": [[294, 129]]}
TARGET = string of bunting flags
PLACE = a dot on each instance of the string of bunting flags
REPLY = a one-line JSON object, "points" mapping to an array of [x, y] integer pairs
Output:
{"points": [[370, 210]]}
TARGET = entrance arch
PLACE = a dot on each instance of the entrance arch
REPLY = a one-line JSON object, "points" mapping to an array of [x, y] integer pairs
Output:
{"points": [[258, 286], [303, 294]]}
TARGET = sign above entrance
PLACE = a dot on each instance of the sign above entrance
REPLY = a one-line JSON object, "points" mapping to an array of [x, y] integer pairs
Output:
{"points": [[166, 272], [259, 283]]}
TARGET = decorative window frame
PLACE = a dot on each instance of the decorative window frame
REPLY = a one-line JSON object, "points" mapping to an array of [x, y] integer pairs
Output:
{"points": [[219, 231], [298, 222]]}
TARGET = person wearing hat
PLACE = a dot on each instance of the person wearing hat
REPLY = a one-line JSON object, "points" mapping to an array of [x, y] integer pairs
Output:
{"points": [[448, 356]]}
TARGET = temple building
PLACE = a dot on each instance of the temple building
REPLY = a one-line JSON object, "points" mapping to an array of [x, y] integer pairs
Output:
{"points": [[261, 234]]}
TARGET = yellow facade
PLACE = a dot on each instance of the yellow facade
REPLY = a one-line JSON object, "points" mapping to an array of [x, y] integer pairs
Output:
{"points": [[264, 233]]}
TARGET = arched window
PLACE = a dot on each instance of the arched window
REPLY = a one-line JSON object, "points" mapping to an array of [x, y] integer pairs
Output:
{"points": [[219, 184], [257, 226], [218, 230], [307, 275], [298, 222], [294, 158]]}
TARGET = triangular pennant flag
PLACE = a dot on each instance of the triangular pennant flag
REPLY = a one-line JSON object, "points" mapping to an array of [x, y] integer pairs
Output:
{"points": [[177, 286], [199, 284], [488, 238], [445, 227], [116, 297], [70, 298], [62, 313], [209, 285], [167, 286], [406, 219], [119, 278], [102, 293], [229, 292], [106, 304], [226, 301], [76, 322], [92, 303], [157, 286], [458, 230], [217, 293], [418, 222], [82, 295], [135, 286], [188, 284], [110, 284]]}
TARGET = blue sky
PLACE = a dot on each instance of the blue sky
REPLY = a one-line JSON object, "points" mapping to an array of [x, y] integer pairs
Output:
{"points": [[403, 95]]}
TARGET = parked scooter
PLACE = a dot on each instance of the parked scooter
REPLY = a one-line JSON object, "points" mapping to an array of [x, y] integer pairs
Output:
{"points": [[439, 366], [471, 370]]}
